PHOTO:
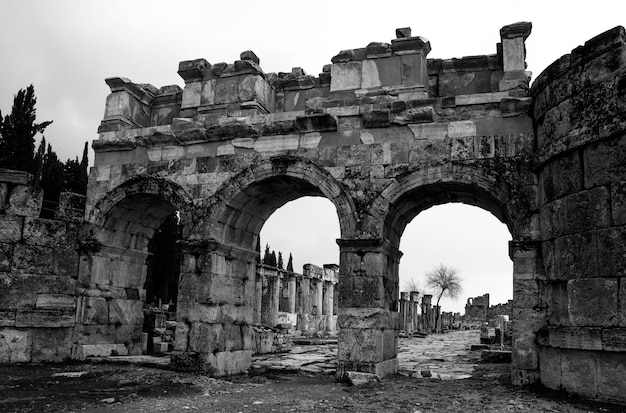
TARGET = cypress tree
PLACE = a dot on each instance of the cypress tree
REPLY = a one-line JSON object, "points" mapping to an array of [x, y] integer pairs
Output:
{"points": [[290, 263], [17, 133]]}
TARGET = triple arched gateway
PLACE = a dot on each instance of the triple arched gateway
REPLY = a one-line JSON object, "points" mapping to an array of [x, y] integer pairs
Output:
{"points": [[383, 133]]}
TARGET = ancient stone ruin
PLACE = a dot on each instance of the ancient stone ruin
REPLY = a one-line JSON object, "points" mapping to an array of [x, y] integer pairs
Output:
{"points": [[383, 133]]}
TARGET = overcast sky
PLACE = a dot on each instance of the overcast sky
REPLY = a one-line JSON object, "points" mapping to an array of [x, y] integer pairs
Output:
{"points": [[67, 49]]}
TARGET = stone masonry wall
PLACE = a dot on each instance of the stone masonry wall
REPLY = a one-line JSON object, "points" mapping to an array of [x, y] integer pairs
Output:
{"points": [[580, 111], [38, 270]]}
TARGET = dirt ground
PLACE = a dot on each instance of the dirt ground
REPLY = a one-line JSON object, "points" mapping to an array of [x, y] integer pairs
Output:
{"points": [[282, 383], [132, 388]]}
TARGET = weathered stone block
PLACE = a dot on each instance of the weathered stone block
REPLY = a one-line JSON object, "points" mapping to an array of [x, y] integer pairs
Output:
{"points": [[11, 228], [579, 372], [345, 76], [15, 345], [181, 337], [51, 344], [365, 318], [576, 256], [370, 76], [362, 345], [45, 318], [25, 201], [227, 90], [6, 257], [611, 244], [361, 291], [93, 310], [15, 177], [218, 289], [550, 367], [604, 161], [84, 351], [206, 338], [614, 339], [462, 148], [93, 334], [55, 301], [581, 212], [593, 302], [611, 375], [579, 338], [562, 176], [125, 312], [233, 339]]}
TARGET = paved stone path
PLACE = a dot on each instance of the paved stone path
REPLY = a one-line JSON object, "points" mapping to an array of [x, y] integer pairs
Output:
{"points": [[443, 356]]}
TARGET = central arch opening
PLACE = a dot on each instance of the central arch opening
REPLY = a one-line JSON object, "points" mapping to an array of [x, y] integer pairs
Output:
{"points": [[452, 234]]}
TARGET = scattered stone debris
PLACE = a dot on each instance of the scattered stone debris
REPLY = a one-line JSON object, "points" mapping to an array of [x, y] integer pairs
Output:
{"points": [[359, 379]]}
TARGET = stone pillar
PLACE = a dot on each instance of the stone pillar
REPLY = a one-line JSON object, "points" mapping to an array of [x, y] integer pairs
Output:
{"points": [[414, 304], [319, 296], [368, 301], [291, 285], [514, 57], [405, 321], [304, 304], [271, 300], [529, 315], [427, 312], [328, 304], [216, 299]]}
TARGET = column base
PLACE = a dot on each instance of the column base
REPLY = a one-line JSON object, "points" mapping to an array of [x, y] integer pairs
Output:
{"points": [[381, 368]]}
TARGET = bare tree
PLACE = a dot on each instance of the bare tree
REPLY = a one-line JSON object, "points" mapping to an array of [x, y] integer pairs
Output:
{"points": [[446, 281], [411, 284]]}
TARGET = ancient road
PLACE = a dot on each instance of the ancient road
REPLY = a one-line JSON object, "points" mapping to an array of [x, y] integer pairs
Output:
{"points": [[298, 381]]}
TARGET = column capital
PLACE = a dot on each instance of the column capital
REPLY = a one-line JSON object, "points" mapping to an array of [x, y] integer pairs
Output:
{"points": [[361, 246]]}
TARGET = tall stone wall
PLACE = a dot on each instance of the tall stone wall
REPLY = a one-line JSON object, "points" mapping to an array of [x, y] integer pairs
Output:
{"points": [[38, 270], [580, 113]]}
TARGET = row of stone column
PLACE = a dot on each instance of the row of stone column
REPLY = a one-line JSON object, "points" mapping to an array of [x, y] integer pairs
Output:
{"points": [[421, 317], [310, 299]]}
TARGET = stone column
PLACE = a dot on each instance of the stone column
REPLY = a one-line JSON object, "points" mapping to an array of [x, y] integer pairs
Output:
{"points": [[405, 323], [328, 305], [269, 313], [319, 296], [414, 304], [291, 286], [304, 304], [368, 301], [427, 312]]}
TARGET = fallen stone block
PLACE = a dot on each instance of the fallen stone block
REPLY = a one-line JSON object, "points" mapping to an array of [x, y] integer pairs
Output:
{"points": [[360, 379], [83, 351], [496, 356]]}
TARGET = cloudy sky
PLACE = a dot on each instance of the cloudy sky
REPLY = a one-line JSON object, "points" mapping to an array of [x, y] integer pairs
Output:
{"points": [[67, 48]]}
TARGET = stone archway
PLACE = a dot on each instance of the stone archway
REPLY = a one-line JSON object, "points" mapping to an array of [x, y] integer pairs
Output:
{"points": [[511, 199], [219, 293], [113, 261]]}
